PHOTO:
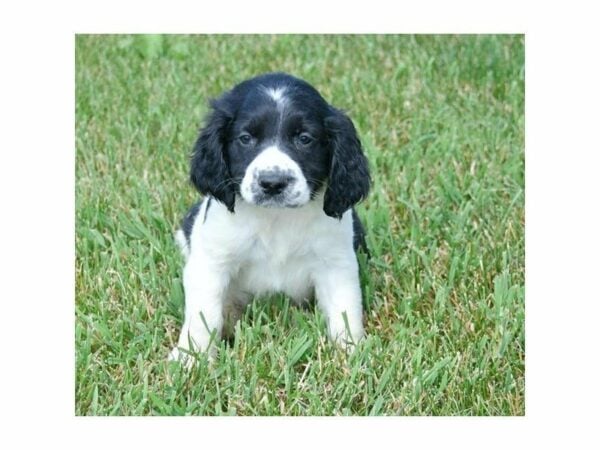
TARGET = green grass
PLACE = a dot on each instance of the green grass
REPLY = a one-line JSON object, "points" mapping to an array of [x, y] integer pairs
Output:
{"points": [[442, 121]]}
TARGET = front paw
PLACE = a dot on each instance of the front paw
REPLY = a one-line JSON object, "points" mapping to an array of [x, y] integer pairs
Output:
{"points": [[184, 357], [190, 358], [348, 341], [345, 336]]}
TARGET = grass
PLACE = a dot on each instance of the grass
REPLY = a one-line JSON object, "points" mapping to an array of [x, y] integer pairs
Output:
{"points": [[442, 121]]}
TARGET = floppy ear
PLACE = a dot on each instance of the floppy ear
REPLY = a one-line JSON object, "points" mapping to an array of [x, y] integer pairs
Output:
{"points": [[349, 178], [209, 170]]}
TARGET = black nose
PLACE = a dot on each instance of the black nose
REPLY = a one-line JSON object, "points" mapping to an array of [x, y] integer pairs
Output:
{"points": [[273, 183]]}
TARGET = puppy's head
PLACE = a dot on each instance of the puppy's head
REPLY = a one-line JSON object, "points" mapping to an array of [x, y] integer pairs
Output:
{"points": [[275, 142]]}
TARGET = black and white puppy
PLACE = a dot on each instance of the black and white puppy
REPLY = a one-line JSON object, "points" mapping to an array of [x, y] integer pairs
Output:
{"points": [[281, 170]]}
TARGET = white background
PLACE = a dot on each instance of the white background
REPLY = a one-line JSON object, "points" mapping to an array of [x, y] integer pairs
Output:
{"points": [[37, 252]]}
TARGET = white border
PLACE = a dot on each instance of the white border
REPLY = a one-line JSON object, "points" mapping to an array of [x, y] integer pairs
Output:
{"points": [[37, 185]]}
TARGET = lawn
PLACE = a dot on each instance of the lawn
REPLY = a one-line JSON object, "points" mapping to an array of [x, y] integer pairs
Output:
{"points": [[441, 119]]}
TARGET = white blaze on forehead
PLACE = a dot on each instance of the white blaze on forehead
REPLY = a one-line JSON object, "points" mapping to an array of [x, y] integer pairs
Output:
{"points": [[277, 94]]}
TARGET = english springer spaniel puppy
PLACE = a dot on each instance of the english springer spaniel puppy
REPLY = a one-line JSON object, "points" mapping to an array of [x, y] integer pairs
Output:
{"points": [[281, 170]]}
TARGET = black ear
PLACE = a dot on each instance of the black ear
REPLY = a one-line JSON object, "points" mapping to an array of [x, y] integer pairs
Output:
{"points": [[349, 178], [209, 170]]}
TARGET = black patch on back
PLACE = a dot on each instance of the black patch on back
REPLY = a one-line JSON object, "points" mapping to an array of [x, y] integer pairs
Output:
{"points": [[188, 221], [206, 210], [359, 234]]}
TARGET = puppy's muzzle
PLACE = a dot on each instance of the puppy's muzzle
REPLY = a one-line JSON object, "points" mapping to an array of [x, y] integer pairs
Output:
{"points": [[274, 182]]}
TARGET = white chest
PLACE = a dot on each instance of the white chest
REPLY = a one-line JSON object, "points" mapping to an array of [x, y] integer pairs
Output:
{"points": [[274, 250], [278, 262]]}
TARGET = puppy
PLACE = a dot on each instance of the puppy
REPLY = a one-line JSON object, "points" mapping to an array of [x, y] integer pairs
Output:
{"points": [[281, 170]]}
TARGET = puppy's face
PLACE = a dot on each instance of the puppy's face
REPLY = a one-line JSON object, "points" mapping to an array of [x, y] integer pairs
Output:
{"points": [[274, 142], [277, 149]]}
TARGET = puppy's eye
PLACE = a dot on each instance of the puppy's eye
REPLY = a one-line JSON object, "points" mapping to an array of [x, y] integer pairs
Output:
{"points": [[304, 139], [245, 139]]}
